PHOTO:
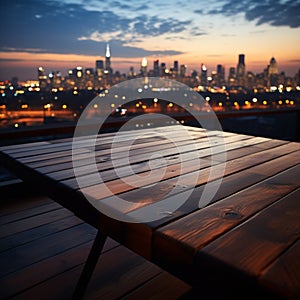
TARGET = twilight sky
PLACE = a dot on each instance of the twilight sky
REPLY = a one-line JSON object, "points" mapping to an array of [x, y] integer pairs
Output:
{"points": [[62, 34]]}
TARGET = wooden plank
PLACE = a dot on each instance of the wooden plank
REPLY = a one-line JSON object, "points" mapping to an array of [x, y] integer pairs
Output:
{"points": [[147, 176], [188, 178], [243, 179], [20, 147], [185, 145], [105, 138], [119, 186], [122, 172], [65, 154], [35, 233], [130, 269], [37, 220], [170, 155], [272, 143], [48, 159], [163, 286], [105, 163], [106, 135], [248, 149], [256, 243], [140, 237], [230, 184], [44, 248], [99, 145], [180, 240], [102, 139], [37, 273], [26, 213], [16, 200], [43, 158], [117, 273], [38, 151], [283, 275]]}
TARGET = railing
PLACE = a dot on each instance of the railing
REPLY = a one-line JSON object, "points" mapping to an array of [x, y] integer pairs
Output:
{"points": [[16, 135]]}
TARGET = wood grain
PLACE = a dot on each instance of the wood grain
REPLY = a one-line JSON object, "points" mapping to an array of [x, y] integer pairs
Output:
{"points": [[255, 244], [251, 225], [283, 275], [183, 238]]}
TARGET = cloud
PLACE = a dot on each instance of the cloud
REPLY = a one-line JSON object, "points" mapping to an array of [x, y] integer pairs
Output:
{"points": [[257, 32], [215, 55], [30, 50], [60, 27], [198, 11], [140, 8], [195, 31], [132, 52], [272, 12], [228, 35], [10, 59]]}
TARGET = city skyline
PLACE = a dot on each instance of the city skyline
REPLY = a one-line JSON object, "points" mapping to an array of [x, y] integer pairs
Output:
{"points": [[62, 34], [103, 76], [154, 67]]}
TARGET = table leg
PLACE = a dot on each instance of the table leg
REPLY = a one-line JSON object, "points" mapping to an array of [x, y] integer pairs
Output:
{"points": [[89, 266]]}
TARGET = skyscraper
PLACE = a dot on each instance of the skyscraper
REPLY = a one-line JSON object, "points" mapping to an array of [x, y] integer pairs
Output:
{"points": [[175, 68], [156, 67], [42, 78], [231, 77], [162, 69], [144, 65], [273, 68], [99, 64], [108, 68], [240, 70], [220, 75], [272, 73], [203, 76], [99, 68], [183, 70]]}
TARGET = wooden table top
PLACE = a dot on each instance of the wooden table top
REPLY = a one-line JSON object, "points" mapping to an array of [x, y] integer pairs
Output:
{"points": [[248, 233]]}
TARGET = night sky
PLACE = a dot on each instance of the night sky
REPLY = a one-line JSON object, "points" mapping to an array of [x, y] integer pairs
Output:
{"points": [[66, 33]]}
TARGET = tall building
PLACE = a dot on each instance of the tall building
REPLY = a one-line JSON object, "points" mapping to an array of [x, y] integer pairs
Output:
{"points": [[175, 68], [183, 70], [250, 80], [156, 67], [220, 75], [162, 69], [99, 68], [240, 70], [42, 77], [108, 68], [273, 68], [272, 73], [231, 77], [144, 65], [99, 64], [203, 76]]}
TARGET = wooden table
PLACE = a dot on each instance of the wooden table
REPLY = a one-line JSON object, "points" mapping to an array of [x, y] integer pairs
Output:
{"points": [[246, 240]]}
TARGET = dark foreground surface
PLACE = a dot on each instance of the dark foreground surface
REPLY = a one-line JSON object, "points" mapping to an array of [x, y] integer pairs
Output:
{"points": [[43, 248]]}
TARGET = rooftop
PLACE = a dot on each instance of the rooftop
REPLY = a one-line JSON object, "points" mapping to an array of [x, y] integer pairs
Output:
{"points": [[44, 246]]}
